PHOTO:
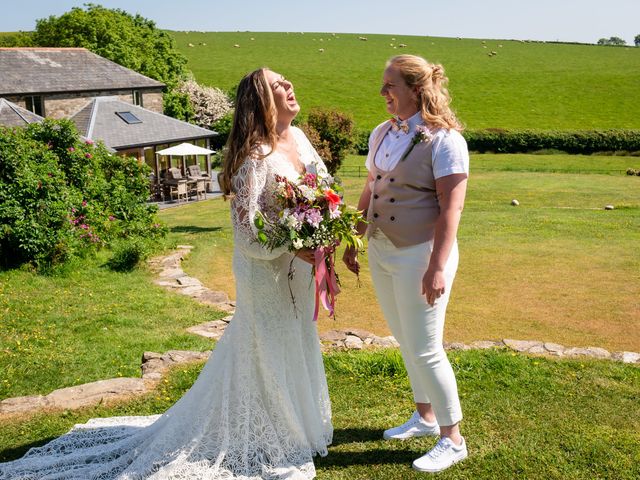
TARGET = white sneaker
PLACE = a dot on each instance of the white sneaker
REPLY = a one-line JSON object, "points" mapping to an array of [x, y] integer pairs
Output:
{"points": [[414, 427], [442, 456]]}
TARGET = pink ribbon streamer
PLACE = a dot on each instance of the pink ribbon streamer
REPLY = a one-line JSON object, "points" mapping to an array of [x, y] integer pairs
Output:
{"points": [[325, 279]]}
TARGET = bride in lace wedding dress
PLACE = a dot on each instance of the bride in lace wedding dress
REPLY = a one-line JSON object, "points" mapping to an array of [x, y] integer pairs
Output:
{"points": [[260, 408]]}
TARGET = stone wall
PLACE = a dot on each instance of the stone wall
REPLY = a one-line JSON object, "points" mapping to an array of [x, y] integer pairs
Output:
{"points": [[152, 101], [65, 105]]}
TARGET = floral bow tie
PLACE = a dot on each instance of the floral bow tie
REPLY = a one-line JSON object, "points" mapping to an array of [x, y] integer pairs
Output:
{"points": [[399, 125]]}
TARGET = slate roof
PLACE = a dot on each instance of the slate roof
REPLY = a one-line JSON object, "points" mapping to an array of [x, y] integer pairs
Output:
{"points": [[98, 121], [56, 70], [11, 115]]}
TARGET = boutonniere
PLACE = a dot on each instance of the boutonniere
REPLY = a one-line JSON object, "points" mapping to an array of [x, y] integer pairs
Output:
{"points": [[422, 135]]}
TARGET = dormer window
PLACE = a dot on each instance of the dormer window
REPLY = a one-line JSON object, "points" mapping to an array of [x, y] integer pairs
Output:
{"points": [[137, 98], [128, 117], [35, 104]]}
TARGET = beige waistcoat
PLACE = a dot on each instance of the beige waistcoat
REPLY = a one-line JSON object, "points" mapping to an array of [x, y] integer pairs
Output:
{"points": [[403, 201]]}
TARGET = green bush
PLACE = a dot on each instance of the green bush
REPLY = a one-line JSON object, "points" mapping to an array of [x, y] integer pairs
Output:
{"points": [[361, 142], [128, 254], [63, 197], [222, 127], [177, 105], [334, 135], [574, 142], [16, 39], [34, 203]]}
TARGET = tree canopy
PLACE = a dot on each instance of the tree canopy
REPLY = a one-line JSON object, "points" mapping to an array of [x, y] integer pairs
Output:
{"points": [[129, 40], [612, 41], [636, 40]]}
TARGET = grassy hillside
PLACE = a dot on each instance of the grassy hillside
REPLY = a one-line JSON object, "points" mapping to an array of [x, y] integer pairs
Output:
{"points": [[526, 85]]}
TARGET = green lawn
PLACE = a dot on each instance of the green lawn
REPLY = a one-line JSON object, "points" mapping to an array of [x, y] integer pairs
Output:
{"points": [[526, 85], [557, 268], [525, 417], [87, 324]]}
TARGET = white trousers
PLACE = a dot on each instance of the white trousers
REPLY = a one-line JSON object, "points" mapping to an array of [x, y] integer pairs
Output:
{"points": [[417, 326]]}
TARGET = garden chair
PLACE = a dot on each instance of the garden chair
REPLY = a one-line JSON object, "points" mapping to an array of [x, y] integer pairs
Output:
{"points": [[196, 174], [177, 184]]}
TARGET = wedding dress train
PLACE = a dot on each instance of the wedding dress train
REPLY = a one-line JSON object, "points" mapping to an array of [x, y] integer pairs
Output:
{"points": [[259, 408]]}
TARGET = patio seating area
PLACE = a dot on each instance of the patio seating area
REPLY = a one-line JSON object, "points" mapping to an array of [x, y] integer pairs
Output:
{"points": [[182, 183]]}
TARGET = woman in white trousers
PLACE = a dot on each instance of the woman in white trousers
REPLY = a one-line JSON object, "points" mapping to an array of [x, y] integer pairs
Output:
{"points": [[418, 167]]}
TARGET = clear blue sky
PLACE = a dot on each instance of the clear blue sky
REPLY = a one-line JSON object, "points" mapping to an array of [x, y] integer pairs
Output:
{"points": [[565, 20]]}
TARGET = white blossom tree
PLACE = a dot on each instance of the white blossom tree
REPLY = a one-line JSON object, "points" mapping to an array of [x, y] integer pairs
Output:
{"points": [[209, 103]]}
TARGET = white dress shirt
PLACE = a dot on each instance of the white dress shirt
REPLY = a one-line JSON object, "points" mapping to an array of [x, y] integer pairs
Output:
{"points": [[450, 154]]}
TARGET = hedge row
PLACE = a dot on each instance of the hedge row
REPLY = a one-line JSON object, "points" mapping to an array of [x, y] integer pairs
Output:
{"points": [[576, 142], [523, 141]]}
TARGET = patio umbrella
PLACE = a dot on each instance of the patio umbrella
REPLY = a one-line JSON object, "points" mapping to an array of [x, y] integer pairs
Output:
{"points": [[185, 149]]}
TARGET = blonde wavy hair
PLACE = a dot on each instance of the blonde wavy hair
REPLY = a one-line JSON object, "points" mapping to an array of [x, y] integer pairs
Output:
{"points": [[430, 84], [253, 125]]}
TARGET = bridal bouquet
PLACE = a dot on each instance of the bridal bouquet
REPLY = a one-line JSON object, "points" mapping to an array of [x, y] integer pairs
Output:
{"points": [[312, 214]]}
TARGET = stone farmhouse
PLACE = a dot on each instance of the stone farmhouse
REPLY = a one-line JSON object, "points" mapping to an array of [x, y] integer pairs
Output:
{"points": [[107, 102]]}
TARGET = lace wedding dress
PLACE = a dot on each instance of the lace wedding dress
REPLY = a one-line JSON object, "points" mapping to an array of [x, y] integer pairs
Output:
{"points": [[260, 407]]}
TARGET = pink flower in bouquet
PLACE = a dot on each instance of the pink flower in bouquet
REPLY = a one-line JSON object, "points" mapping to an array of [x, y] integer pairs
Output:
{"points": [[310, 180], [313, 217]]}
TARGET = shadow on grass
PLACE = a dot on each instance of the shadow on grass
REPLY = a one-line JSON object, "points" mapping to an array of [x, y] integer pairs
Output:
{"points": [[351, 435], [341, 455], [18, 452], [193, 229]]}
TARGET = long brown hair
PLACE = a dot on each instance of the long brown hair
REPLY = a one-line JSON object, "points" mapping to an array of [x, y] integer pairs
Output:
{"points": [[254, 125], [430, 84]]}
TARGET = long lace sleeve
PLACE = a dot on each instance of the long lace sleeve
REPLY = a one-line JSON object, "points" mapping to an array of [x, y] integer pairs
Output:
{"points": [[251, 187]]}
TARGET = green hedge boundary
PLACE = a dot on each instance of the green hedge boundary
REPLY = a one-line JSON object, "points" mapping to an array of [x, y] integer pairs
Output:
{"points": [[495, 140], [574, 142]]}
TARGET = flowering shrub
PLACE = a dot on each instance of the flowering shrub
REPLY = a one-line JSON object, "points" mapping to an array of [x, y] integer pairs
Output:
{"points": [[207, 103], [62, 196]]}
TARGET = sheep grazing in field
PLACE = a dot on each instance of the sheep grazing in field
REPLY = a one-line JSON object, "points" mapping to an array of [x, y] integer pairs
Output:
{"points": [[191, 44], [236, 46], [500, 46], [364, 39], [321, 50], [402, 45], [252, 38], [493, 52]]}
